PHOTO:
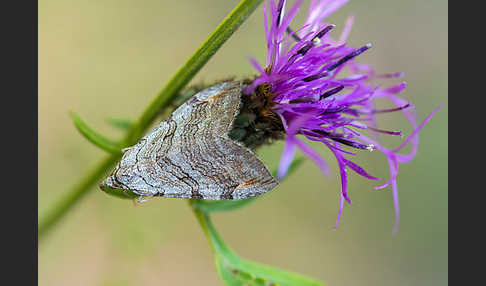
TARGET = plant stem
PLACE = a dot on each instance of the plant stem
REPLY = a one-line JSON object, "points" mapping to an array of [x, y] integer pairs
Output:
{"points": [[75, 195], [179, 80], [202, 218], [187, 71], [215, 242]]}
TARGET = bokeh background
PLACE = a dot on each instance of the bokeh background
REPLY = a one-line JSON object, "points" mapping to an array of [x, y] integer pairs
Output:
{"points": [[108, 58]]}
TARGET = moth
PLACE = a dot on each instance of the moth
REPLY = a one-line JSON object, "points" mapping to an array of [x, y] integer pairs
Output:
{"points": [[191, 154]]}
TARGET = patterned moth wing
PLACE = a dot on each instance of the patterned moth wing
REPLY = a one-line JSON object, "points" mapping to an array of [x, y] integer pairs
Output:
{"points": [[190, 155]]}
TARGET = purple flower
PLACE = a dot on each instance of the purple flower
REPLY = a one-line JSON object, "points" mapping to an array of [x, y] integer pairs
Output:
{"points": [[320, 93]]}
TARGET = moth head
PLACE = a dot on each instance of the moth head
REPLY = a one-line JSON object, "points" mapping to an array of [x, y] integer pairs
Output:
{"points": [[111, 188], [122, 183]]}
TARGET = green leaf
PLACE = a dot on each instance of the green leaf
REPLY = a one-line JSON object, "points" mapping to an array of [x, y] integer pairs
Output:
{"points": [[94, 137], [235, 271], [119, 193], [222, 206], [254, 274], [122, 124]]}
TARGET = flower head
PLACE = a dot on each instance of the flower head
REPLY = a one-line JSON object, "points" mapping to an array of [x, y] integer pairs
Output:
{"points": [[312, 87]]}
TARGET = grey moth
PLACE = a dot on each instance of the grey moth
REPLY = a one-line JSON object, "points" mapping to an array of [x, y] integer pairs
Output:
{"points": [[191, 155]]}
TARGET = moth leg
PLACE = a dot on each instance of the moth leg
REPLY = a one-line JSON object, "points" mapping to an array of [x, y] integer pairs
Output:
{"points": [[143, 199]]}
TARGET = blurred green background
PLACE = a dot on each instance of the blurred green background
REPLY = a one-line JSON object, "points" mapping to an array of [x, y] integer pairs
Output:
{"points": [[109, 58]]}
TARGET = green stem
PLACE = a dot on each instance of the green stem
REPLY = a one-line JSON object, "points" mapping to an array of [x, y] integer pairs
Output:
{"points": [[203, 219], [227, 27], [215, 241], [179, 80], [76, 194]]}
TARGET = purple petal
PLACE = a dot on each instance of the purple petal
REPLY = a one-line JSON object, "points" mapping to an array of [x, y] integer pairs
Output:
{"points": [[397, 88], [355, 167], [395, 201], [286, 158], [307, 150], [416, 131], [341, 206], [342, 171], [347, 29]]}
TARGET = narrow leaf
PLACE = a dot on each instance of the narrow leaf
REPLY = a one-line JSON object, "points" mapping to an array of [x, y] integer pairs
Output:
{"points": [[122, 124], [235, 270], [220, 206], [94, 137], [119, 193]]}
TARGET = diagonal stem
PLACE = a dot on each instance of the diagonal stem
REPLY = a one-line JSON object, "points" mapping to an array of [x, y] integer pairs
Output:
{"points": [[163, 100], [179, 80], [78, 191]]}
